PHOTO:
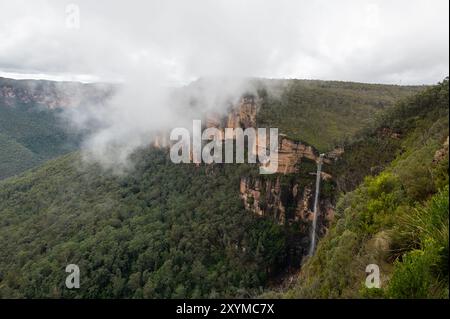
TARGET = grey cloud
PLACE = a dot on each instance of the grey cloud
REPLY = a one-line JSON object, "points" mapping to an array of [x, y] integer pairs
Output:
{"points": [[345, 40], [150, 45]]}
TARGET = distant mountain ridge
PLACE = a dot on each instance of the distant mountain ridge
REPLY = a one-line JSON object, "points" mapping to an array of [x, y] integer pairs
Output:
{"points": [[51, 94], [319, 113], [31, 129]]}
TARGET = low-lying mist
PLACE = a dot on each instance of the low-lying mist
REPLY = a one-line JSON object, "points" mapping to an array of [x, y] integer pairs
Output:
{"points": [[136, 114]]}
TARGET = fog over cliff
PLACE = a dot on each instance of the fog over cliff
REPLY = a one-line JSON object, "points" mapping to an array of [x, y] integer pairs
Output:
{"points": [[152, 46]]}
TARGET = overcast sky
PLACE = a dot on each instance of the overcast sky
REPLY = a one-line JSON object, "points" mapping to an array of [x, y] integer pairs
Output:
{"points": [[399, 41]]}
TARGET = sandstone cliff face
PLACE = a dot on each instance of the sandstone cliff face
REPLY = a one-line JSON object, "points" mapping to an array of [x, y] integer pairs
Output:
{"points": [[244, 114], [290, 204], [286, 203], [287, 196], [291, 153], [263, 197]]}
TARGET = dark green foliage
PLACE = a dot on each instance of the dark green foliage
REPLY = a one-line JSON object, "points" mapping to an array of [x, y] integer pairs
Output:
{"points": [[389, 219], [30, 135], [14, 157], [423, 272], [163, 230], [368, 156], [31, 124], [324, 113], [405, 127]]}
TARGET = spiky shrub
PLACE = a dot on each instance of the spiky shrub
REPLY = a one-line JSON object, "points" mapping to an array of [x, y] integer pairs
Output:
{"points": [[423, 272]]}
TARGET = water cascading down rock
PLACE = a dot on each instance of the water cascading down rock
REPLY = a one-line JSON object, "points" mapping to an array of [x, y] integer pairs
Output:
{"points": [[316, 200]]}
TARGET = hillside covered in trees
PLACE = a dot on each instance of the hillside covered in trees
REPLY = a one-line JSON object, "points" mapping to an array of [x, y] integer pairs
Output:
{"points": [[173, 231], [164, 231], [325, 113], [398, 215], [32, 128]]}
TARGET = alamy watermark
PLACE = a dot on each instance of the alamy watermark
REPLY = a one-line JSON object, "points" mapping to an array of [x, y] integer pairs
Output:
{"points": [[373, 277], [73, 279], [214, 145], [72, 16]]}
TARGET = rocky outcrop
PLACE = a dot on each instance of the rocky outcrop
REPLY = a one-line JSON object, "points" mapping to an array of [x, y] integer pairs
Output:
{"points": [[389, 133], [441, 153], [334, 154], [286, 203], [287, 196], [263, 197], [289, 202], [291, 153], [244, 114]]}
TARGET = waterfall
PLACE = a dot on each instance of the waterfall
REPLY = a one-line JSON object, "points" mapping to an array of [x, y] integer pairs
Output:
{"points": [[316, 200]]}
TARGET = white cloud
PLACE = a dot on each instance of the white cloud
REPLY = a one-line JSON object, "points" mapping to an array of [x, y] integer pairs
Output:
{"points": [[150, 45], [370, 41]]}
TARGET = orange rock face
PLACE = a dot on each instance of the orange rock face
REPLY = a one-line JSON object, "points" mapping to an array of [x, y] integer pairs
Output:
{"points": [[244, 114], [263, 197], [290, 153], [266, 197]]}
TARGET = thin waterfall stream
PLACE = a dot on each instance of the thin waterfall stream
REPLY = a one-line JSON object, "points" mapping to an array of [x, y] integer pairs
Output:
{"points": [[316, 204]]}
